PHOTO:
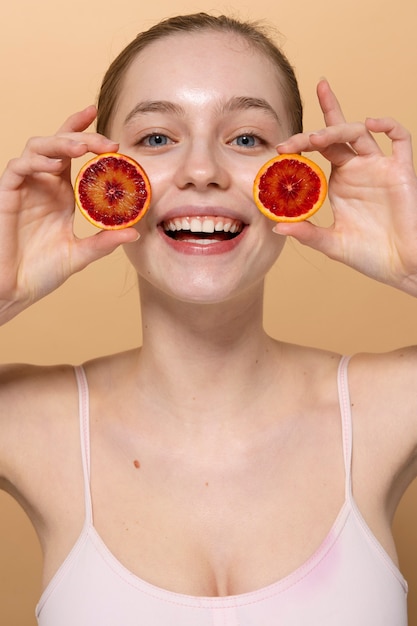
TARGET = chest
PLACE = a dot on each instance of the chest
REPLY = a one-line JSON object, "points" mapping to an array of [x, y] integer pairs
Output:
{"points": [[216, 518]]}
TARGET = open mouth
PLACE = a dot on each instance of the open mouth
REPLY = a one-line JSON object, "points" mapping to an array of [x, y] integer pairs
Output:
{"points": [[202, 229]]}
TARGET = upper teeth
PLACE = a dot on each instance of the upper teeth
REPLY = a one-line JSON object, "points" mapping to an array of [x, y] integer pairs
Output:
{"points": [[203, 224]]}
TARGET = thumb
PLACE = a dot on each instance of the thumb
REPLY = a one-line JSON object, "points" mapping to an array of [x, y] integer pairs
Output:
{"points": [[306, 233], [93, 248]]}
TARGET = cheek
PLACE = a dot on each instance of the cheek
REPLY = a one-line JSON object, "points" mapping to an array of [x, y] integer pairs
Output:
{"points": [[132, 250], [161, 174], [246, 170], [272, 247]]}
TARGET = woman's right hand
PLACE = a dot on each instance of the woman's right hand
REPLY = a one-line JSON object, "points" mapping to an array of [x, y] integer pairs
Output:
{"points": [[38, 248]]}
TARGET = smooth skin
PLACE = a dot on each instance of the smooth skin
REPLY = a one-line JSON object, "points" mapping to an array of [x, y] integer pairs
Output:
{"points": [[237, 435]]}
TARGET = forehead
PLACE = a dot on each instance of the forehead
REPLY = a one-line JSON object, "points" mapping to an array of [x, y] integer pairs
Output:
{"points": [[200, 68]]}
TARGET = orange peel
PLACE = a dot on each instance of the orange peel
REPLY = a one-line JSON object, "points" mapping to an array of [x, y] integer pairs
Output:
{"points": [[289, 188], [112, 191]]}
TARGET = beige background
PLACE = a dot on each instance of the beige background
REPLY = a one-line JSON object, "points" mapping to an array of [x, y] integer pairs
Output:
{"points": [[52, 58]]}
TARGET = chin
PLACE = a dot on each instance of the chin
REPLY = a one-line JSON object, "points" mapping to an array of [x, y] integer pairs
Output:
{"points": [[205, 291]]}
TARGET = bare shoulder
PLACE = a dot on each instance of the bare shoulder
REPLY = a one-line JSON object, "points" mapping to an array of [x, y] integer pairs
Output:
{"points": [[22, 383], [384, 400], [387, 378], [404, 357], [383, 396], [36, 403], [317, 367]]}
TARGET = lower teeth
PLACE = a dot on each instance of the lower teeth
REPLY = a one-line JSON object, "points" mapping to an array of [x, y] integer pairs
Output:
{"points": [[200, 238], [205, 242]]}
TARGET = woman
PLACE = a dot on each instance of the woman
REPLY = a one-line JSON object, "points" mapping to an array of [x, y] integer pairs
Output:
{"points": [[213, 482]]}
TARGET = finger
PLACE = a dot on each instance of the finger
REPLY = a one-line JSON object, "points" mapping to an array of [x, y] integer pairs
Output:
{"points": [[56, 147], [296, 143], [101, 244], [329, 104], [93, 142], [79, 121], [400, 137], [344, 141], [318, 238], [52, 155], [338, 143], [19, 169], [319, 141], [333, 115], [48, 155]]}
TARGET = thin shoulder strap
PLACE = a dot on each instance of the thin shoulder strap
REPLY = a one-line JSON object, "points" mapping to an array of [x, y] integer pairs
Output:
{"points": [[346, 416], [84, 416]]}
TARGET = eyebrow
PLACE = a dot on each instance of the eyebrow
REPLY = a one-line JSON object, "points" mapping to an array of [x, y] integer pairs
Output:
{"points": [[237, 103], [154, 106], [243, 103]]}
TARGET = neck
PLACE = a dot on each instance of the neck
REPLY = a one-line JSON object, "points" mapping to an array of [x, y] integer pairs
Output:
{"points": [[203, 356]]}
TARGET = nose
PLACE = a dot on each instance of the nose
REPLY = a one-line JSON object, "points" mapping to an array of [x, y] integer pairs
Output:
{"points": [[202, 166]]}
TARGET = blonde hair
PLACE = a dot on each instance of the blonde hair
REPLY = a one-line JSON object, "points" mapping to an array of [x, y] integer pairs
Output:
{"points": [[250, 31]]}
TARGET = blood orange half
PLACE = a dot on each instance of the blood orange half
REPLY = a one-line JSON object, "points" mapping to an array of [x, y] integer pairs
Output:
{"points": [[112, 191], [289, 188]]}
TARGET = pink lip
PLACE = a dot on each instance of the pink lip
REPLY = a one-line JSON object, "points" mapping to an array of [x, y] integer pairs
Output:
{"points": [[218, 247]]}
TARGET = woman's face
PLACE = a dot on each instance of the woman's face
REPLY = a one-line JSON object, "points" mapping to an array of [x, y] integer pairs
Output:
{"points": [[201, 113]]}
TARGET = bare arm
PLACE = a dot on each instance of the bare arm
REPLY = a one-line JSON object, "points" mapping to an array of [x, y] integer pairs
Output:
{"points": [[38, 426]]}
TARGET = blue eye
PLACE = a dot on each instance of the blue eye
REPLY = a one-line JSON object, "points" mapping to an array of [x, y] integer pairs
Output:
{"points": [[247, 141], [156, 141]]}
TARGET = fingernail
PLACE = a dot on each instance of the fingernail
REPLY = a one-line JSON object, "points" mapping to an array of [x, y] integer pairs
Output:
{"points": [[283, 229], [136, 237]]}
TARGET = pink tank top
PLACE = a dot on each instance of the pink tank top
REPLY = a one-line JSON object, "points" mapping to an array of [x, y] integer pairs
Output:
{"points": [[349, 581]]}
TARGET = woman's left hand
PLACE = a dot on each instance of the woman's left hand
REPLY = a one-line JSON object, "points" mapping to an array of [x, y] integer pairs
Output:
{"points": [[373, 196]]}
